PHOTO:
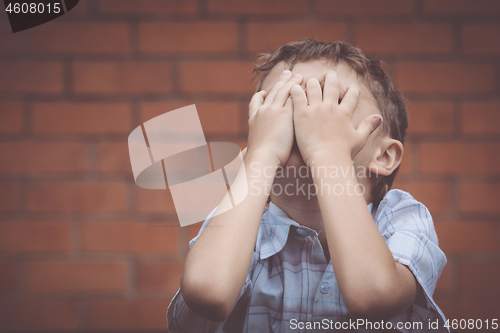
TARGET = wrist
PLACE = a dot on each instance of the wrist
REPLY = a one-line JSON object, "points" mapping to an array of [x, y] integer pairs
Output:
{"points": [[263, 157], [261, 167]]}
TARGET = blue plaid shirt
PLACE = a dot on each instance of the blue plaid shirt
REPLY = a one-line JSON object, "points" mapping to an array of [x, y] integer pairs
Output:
{"points": [[291, 287]]}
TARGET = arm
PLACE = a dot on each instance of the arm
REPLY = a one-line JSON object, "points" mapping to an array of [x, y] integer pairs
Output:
{"points": [[218, 263], [372, 284]]}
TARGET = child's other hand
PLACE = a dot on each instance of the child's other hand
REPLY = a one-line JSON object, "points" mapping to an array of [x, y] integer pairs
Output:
{"points": [[322, 125], [271, 120]]}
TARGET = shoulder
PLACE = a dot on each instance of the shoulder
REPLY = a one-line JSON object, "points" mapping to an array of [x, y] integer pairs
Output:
{"points": [[399, 210], [396, 198], [408, 229]]}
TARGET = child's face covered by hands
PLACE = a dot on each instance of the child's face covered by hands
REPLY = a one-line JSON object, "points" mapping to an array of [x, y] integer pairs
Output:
{"points": [[271, 120], [333, 112]]}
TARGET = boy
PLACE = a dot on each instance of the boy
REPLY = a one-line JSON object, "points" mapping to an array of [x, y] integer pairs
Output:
{"points": [[335, 249]]}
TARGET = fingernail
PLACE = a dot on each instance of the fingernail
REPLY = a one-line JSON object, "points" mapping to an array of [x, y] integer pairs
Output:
{"points": [[285, 72], [297, 76], [377, 120]]}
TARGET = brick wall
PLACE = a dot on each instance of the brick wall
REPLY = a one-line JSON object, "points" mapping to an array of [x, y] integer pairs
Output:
{"points": [[84, 249]]}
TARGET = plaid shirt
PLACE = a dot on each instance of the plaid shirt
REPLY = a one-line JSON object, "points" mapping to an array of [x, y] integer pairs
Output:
{"points": [[290, 285]]}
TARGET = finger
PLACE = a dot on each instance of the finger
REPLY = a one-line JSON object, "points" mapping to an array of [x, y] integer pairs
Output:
{"points": [[289, 105], [255, 103], [332, 87], [299, 97], [282, 95], [368, 125], [285, 76], [351, 98], [314, 94]]}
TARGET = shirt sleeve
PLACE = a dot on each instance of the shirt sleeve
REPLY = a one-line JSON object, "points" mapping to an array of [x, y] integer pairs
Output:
{"points": [[408, 229], [180, 319]]}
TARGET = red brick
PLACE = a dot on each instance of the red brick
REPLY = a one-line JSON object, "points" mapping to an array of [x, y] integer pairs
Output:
{"points": [[466, 7], [365, 7], [11, 117], [34, 236], [479, 198], [31, 157], [4, 22], [430, 118], [435, 196], [460, 158], [129, 237], [9, 196], [404, 38], [475, 306], [215, 118], [76, 276], [445, 78], [81, 118], [82, 9], [481, 39], [257, 6], [10, 42], [196, 37], [155, 201], [77, 197], [114, 158], [444, 282], [149, 6], [481, 118], [126, 315], [10, 277], [121, 77], [217, 77], [38, 316], [480, 276], [79, 38], [31, 77], [159, 276], [270, 36], [468, 236]]}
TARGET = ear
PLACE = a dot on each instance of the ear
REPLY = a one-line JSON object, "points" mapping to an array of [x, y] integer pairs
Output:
{"points": [[387, 157]]}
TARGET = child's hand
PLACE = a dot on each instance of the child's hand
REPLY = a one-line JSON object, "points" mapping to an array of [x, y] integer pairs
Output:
{"points": [[271, 120], [322, 125]]}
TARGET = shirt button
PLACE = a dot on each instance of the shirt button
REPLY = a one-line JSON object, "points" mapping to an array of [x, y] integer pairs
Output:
{"points": [[302, 232], [325, 287]]}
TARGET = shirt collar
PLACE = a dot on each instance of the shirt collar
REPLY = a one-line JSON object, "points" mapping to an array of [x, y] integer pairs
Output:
{"points": [[275, 228], [273, 232]]}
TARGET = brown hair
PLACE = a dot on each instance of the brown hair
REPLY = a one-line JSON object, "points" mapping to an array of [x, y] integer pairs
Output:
{"points": [[389, 101]]}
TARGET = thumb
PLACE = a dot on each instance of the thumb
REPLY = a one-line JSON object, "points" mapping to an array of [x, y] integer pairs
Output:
{"points": [[256, 102], [368, 125]]}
